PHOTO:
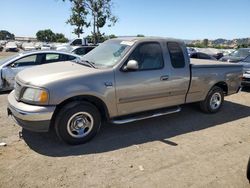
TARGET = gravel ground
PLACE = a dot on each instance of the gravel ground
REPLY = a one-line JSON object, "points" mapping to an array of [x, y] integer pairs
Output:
{"points": [[187, 149]]}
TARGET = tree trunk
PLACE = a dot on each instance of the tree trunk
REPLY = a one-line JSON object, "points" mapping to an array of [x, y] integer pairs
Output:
{"points": [[94, 29]]}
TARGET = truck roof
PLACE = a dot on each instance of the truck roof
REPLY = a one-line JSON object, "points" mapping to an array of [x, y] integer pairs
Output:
{"points": [[139, 39]]}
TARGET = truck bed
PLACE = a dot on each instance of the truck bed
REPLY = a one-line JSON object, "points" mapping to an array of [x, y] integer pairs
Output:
{"points": [[199, 63]]}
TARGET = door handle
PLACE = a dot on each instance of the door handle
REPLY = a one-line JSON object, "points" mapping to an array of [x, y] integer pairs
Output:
{"points": [[164, 78]]}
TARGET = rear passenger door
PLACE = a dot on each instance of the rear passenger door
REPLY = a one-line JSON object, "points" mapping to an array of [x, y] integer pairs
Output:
{"points": [[178, 61]]}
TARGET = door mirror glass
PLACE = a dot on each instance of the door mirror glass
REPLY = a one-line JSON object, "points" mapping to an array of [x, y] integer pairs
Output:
{"points": [[131, 65]]}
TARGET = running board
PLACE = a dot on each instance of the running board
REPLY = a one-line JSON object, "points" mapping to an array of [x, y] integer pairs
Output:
{"points": [[147, 115]]}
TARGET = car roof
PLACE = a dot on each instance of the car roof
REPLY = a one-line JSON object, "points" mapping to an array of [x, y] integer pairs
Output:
{"points": [[46, 51]]}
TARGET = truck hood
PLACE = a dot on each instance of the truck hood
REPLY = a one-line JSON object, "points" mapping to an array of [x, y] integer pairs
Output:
{"points": [[44, 74]]}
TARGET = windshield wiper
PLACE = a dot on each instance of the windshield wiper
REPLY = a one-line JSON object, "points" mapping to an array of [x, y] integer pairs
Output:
{"points": [[86, 62]]}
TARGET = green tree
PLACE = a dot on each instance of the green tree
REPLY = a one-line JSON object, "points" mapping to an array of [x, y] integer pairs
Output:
{"points": [[140, 35], [6, 35], [99, 11], [49, 36], [78, 17], [205, 43]]}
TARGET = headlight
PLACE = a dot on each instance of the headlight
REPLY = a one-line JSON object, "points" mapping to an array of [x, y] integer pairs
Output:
{"points": [[35, 95]]}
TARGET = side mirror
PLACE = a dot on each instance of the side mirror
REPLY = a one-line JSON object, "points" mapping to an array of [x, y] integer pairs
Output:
{"points": [[13, 65], [131, 65]]}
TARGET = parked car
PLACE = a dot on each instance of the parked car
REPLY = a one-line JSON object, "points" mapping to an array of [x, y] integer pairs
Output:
{"points": [[191, 50], [11, 46], [248, 170], [68, 46], [246, 71], [200, 55], [121, 81], [28, 46], [237, 55], [82, 50], [10, 66]]}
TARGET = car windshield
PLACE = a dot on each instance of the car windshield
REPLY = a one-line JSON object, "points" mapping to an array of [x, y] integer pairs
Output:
{"points": [[6, 59], [241, 53], [108, 53]]}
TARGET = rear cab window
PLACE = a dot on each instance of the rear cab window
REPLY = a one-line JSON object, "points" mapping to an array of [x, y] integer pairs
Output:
{"points": [[176, 55]]}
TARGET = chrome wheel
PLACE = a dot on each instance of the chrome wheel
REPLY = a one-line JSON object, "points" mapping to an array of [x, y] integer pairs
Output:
{"points": [[80, 124], [215, 101]]}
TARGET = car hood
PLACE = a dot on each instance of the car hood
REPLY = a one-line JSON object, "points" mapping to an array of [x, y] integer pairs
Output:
{"points": [[44, 74], [231, 59]]}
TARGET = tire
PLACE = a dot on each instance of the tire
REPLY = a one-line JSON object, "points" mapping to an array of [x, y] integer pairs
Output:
{"points": [[248, 171], [213, 101], [77, 122]]}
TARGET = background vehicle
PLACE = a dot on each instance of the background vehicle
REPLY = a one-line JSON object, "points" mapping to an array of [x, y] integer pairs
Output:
{"points": [[11, 46], [75, 42], [237, 55], [246, 71], [12, 65], [82, 50], [200, 55], [122, 80]]}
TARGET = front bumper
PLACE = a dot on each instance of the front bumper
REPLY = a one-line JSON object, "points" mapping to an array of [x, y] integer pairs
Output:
{"points": [[30, 117]]}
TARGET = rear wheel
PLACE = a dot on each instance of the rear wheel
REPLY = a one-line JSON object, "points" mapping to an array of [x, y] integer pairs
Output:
{"points": [[213, 101], [77, 122]]}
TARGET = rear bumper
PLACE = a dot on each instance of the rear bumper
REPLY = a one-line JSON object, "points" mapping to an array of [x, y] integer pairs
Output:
{"points": [[33, 118]]}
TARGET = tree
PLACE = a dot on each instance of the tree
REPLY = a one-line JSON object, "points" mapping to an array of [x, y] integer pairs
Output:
{"points": [[6, 35], [140, 35], [49, 36], [100, 12], [205, 42], [78, 17]]}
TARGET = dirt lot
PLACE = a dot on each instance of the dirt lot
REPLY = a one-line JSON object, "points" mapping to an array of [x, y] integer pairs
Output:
{"points": [[188, 149]]}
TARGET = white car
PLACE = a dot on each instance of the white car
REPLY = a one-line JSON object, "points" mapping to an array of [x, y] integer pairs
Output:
{"points": [[10, 66]]}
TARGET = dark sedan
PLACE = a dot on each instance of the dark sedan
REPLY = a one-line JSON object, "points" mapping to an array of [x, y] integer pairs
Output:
{"points": [[200, 55]]}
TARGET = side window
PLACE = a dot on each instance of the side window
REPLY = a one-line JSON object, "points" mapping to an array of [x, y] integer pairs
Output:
{"points": [[49, 58], [80, 51], [176, 55], [88, 49], [194, 56], [70, 58], [204, 56], [77, 42], [26, 61], [247, 59], [148, 55]]}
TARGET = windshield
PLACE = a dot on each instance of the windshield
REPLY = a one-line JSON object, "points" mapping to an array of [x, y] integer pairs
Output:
{"points": [[6, 59], [242, 53], [108, 53]]}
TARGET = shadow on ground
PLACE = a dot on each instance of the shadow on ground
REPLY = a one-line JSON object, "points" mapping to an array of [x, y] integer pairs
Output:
{"points": [[114, 137]]}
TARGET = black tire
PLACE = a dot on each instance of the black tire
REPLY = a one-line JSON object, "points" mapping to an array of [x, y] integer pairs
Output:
{"points": [[206, 105], [64, 122], [248, 170]]}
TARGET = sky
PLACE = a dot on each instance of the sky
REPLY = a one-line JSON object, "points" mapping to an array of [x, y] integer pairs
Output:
{"points": [[184, 19]]}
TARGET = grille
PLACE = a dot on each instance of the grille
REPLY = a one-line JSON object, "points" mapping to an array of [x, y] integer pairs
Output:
{"points": [[18, 89]]}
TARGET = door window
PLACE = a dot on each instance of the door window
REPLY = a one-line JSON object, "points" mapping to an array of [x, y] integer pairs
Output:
{"points": [[176, 55], [149, 56], [204, 56], [26, 61], [49, 58]]}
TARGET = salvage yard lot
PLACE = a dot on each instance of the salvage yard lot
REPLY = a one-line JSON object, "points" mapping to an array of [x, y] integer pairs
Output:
{"points": [[180, 150]]}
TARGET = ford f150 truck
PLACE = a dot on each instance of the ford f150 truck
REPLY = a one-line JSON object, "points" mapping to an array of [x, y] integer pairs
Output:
{"points": [[120, 81]]}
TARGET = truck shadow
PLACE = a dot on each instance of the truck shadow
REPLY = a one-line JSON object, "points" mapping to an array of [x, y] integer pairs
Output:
{"points": [[114, 137]]}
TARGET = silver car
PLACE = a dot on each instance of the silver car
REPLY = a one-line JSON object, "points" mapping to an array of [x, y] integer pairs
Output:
{"points": [[10, 66], [246, 71]]}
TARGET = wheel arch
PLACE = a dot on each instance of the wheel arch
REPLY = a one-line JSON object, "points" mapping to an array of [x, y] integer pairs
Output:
{"points": [[223, 86], [97, 102]]}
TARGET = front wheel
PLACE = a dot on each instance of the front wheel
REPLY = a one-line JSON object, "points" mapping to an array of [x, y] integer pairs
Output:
{"points": [[77, 122], [213, 101]]}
